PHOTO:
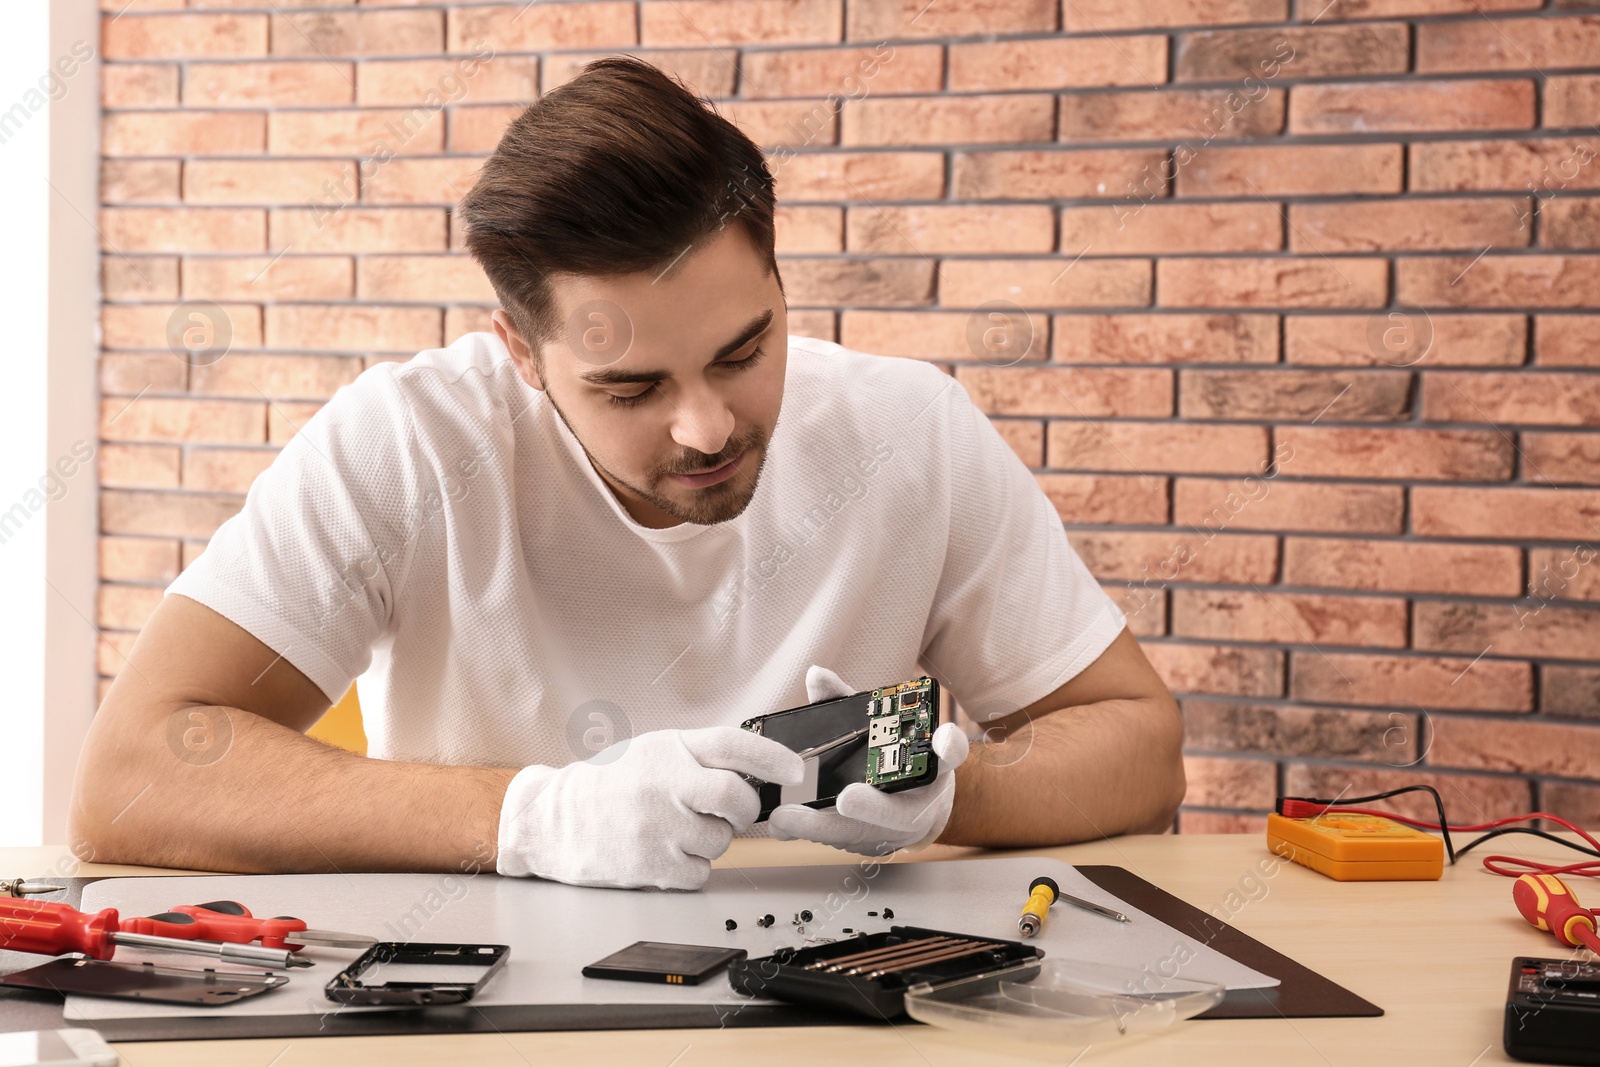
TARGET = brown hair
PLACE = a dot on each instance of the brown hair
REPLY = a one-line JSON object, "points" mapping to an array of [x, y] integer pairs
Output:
{"points": [[618, 171]]}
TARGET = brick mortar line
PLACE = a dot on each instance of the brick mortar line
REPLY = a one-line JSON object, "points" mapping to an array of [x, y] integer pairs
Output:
{"points": [[1330, 480], [867, 256], [1453, 770], [1334, 199], [1327, 28], [1445, 197], [1286, 422], [1384, 652], [1353, 594], [1281, 702], [1342, 535], [1352, 763], [1400, 78], [1378, 138], [1539, 75]]}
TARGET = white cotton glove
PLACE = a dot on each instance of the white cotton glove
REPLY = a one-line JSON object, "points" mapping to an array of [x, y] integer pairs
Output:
{"points": [[865, 819], [653, 810]]}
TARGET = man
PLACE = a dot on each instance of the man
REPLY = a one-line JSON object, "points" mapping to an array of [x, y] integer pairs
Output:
{"points": [[636, 512]]}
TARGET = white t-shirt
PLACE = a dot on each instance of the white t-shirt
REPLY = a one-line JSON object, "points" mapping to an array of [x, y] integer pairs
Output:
{"points": [[437, 531]]}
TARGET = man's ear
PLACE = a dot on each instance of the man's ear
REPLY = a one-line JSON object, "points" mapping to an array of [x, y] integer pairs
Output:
{"points": [[521, 354]]}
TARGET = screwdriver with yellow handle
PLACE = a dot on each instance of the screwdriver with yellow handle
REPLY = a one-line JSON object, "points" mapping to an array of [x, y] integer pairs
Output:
{"points": [[53, 929], [1042, 893], [1546, 902]]}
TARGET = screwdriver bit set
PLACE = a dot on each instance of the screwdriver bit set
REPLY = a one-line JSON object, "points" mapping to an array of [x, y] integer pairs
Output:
{"points": [[870, 975]]}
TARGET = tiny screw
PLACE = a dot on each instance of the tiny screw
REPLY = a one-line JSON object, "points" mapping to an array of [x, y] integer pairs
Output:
{"points": [[731, 925], [805, 916], [848, 930], [888, 913], [872, 913]]}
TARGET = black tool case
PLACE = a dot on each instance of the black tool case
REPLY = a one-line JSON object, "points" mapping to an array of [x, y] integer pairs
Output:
{"points": [[785, 976]]}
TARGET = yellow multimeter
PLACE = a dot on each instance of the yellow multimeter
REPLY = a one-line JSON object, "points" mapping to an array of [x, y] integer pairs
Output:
{"points": [[1357, 848]]}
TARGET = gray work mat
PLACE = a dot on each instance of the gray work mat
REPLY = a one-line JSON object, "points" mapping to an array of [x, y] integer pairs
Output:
{"points": [[554, 929]]}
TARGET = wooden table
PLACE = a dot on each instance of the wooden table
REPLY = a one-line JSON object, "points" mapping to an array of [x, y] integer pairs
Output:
{"points": [[1434, 955]]}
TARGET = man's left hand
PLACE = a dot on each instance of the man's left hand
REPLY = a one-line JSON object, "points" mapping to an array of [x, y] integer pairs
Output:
{"points": [[865, 819]]}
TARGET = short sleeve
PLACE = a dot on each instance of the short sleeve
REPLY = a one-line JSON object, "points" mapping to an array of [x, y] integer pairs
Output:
{"points": [[1016, 613], [311, 563]]}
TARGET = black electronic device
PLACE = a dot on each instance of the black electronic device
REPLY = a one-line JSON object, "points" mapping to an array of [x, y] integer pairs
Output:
{"points": [[883, 737], [660, 961], [144, 981], [411, 973], [870, 975], [1553, 1011]]}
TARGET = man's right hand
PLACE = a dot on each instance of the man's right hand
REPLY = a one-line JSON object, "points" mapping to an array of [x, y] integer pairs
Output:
{"points": [[653, 810]]}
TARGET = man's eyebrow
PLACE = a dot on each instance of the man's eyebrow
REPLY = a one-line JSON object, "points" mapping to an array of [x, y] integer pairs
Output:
{"points": [[608, 376], [752, 329]]}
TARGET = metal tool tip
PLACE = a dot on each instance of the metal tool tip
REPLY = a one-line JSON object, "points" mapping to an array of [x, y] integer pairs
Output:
{"points": [[300, 961]]}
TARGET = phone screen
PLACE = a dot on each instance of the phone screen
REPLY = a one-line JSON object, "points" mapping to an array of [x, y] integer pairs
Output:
{"points": [[860, 760]]}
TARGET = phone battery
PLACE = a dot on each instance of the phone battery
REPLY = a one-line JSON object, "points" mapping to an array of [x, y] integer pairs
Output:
{"points": [[660, 961]]}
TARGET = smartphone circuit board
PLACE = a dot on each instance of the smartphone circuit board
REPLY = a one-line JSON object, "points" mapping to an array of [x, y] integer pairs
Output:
{"points": [[900, 724]]}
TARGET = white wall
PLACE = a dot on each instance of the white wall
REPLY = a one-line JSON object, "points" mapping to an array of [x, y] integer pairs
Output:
{"points": [[49, 284]]}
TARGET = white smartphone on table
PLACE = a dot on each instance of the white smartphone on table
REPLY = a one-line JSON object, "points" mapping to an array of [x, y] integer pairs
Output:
{"points": [[55, 1048]]}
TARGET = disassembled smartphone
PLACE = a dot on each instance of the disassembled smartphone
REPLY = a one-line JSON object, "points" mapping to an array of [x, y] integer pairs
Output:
{"points": [[883, 737], [403, 965]]}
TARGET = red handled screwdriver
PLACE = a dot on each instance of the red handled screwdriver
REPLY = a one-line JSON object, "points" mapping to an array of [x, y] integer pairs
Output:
{"points": [[51, 929], [228, 920], [1546, 902]]}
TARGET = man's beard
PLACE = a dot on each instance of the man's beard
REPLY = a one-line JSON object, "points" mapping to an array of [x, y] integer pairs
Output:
{"points": [[708, 506]]}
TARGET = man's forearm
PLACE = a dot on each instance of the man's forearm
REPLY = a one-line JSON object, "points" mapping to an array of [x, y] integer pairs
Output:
{"points": [[268, 798], [1074, 774]]}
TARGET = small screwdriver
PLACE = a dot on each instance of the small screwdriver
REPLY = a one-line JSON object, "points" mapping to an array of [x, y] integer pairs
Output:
{"points": [[1546, 902], [52, 929], [1042, 893]]}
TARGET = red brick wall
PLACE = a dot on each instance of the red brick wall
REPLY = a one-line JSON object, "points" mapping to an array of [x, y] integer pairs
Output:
{"points": [[1308, 292]]}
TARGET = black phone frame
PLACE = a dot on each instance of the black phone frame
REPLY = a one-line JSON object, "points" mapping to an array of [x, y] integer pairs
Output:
{"points": [[346, 987]]}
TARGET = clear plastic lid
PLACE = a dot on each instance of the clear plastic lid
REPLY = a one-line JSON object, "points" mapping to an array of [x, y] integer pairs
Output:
{"points": [[1062, 1001]]}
